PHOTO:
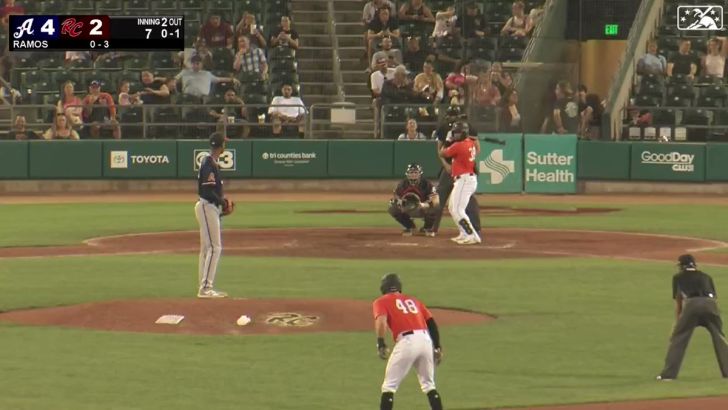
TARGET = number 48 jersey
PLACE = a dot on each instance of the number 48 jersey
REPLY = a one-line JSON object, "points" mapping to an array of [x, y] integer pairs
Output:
{"points": [[404, 313]]}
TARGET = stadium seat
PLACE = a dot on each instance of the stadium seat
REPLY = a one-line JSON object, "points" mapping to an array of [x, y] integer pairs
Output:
{"points": [[480, 53], [647, 101], [28, 62], [136, 5], [664, 116], [678, 101], [50, 62], [276, 53], [159, 5], [136, 63], [511, 54], [251, 6], [652, 79], [109, 6], [680, 79], [708, 101], [162, 59], [489, 43], [668, 30], [683, 90], [108, 62], [60, 77], [191, 4], [720, 119], [82, 5], [53, 6], [222, 59], [715, 91], [220, 5], [165, 115], [81, 64], [34, 76]]}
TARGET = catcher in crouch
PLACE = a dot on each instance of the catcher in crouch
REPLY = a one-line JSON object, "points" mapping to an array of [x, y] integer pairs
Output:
{"points": [[415, 197]]}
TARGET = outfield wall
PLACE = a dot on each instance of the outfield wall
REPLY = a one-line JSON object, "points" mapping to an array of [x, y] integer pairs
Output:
{"points": [[530, 163]]}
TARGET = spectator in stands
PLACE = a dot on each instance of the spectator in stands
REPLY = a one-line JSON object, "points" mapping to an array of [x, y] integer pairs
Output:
{"points": [[590, 124], [284, 35], [247, 27], [99, 110], [502, 79], [510, 117], [201, 50], [383, 25], [429, 84], [155, 90], [393, 55], [473, 25], [638, 118], [73, 57], [565, 115], [277, 130], [8, 94], [217, 33], [414, 56], [70, 105], [125, 98], [682, 62], [456, 83], [376, 81], [411, 133], [713, 63], [415, 11], [484, 92], [445, 23], [536, 15], [581, 93], [287, 108], [517, 25], [171, 84], [196, 82], [399, 89], [651, 62], [371, 8], [231, 113], [250, 60], [61, 130], [20, 132], [9, 7]]}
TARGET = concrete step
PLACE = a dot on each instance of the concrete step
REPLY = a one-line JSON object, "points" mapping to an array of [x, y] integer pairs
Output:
{"points": [[324, 88], [359, 99], [352, 27], [350, 40], [319, 99], [314, 75], [309, 5], [314, 64], [349, 5], [348, 16], [317, 40], [314, 53], [354, 76], [354, 64], [358, 88], [305, 29], [311, 16]]}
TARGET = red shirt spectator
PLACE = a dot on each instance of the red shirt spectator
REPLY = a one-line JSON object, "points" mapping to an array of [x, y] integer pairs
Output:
{"points": [[9, 8], [217, 33]]}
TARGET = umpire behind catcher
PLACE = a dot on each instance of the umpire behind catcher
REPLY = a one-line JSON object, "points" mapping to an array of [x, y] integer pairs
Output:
{"points": [[695, 305], [415, 197]]}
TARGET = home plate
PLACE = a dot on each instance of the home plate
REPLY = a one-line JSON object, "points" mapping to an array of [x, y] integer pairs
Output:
{"points": [[169, 319]]}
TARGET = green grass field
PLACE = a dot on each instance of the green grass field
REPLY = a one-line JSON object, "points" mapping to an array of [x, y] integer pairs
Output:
{"points": [[568, 330]]}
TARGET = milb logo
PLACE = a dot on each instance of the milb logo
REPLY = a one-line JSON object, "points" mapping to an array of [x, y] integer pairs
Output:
{"points": [[707, 17], [226, 161]]}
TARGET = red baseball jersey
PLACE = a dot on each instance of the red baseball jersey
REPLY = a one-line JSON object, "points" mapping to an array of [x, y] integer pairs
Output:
{"points": [[404, 313], [463, 157]]}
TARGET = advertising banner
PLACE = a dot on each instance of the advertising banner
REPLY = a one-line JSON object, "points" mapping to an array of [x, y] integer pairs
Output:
{"points": [[550, 163], [500, 167], [290, 159], [668, 162], [140, 159], [234, 162]]}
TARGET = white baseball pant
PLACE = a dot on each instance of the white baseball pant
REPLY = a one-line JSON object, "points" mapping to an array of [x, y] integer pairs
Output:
{"points": [[208, 217], [411, 350], [463, 188]]}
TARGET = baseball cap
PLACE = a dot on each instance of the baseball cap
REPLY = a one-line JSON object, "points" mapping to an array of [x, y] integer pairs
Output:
{"points": [[217, 139], [686, 261], [95, 83], [196, 59]]}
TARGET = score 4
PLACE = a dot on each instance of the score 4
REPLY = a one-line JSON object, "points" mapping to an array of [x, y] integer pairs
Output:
{"points": [[43, 28]]}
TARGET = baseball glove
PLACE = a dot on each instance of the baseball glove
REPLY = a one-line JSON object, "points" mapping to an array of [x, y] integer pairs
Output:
{"points": [[228, 207], [411, 204]]}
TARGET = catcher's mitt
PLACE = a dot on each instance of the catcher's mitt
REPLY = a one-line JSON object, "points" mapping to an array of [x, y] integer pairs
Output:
{"points": [[228, 207], [410, 204]]}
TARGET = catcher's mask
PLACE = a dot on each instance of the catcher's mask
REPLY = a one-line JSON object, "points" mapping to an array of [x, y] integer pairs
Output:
{"points": [[390, 284], [460, 131], [687, 262], [414, 172]]}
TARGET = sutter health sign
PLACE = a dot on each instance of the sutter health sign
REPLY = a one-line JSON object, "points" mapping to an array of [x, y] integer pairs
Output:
{"points": [[668, 162], [550, 163]]}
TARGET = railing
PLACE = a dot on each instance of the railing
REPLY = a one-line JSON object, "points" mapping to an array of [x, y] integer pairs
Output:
{"points": [[642, 29], [336, 63], [676, 130]]}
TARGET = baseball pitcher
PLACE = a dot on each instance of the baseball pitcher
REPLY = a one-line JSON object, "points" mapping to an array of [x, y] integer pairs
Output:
{"points": [[209, 211], [416, 341], [415, 197]]}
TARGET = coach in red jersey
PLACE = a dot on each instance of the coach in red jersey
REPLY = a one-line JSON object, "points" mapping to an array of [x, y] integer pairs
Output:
{"points": [[416, 337]]}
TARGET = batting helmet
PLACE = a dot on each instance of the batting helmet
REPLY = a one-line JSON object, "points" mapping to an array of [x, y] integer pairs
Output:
{"points": [[414, 172], [686, 262], [460, 130], [390, 283]]}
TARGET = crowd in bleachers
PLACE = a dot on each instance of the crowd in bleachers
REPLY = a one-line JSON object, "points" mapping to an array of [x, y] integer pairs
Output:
{"points": [[239, 64], [679, 91], [446, 52]]}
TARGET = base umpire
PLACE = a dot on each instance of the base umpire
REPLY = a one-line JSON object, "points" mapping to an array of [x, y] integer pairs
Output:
{"points": [[695, 305]]}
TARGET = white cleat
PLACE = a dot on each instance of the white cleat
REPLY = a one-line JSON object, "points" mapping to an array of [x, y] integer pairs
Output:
{"points": [[458, 238], [210, 293], [469, 240]]}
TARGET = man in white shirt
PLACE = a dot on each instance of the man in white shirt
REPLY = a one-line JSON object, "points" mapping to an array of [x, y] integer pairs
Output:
{"points": [[377, 79], [288, 109], [197, 82]]}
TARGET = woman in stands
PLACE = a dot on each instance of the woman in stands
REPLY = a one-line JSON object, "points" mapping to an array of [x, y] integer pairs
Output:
{"points": [[70, 105], [411, 133], [713, 63], [125, 98], [510, 118], [249, 28], [517, 25], [485, 93], [60, 130], [502, 79]]}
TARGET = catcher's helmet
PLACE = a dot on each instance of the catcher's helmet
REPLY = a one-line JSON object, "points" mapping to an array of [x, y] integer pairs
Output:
{"points": [[414, 172], [460, 130], [686, 262], [390, 283]]}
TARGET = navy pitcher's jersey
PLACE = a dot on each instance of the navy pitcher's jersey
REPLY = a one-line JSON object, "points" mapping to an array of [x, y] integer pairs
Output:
{"points": [[423, 189], [209, 183]]}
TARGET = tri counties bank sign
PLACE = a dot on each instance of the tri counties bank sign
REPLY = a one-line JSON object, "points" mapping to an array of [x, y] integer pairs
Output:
{"points": [[668, 162]]}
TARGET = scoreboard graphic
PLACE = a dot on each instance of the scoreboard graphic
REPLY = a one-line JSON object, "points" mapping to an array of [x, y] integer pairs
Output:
{"points": [[30, 32]]}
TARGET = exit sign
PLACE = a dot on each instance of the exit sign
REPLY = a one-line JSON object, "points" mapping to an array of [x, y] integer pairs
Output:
{"points": [[611, 30]]}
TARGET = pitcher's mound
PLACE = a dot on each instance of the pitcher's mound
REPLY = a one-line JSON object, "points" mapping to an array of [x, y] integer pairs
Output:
{"points": [[219, 316]]}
